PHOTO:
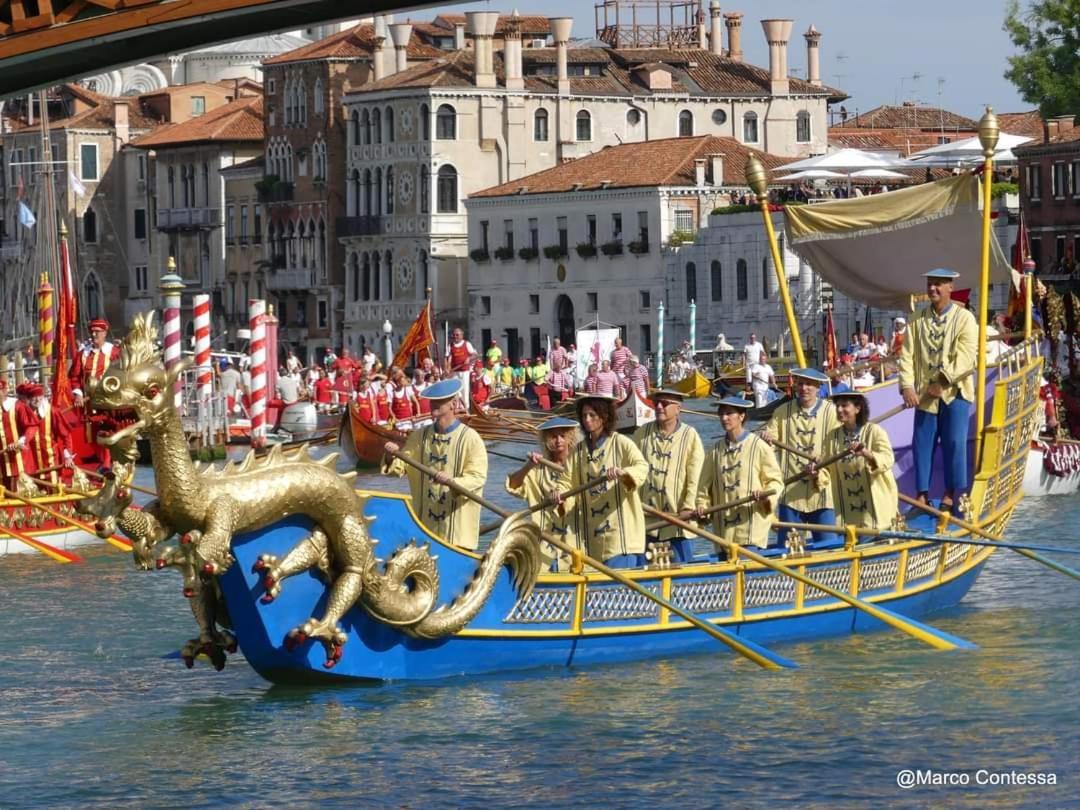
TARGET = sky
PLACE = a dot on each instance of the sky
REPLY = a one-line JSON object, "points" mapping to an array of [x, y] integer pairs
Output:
{"points": [[950, 52]]}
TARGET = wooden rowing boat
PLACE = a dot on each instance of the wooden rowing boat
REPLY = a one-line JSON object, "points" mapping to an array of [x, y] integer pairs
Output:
{"points": [[694, 386]]}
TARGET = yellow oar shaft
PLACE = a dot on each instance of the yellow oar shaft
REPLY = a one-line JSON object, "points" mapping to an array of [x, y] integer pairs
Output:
{"points": [[118, 542]]}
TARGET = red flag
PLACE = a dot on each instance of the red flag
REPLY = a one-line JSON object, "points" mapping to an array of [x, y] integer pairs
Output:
{"points": [[832, 355], [1021, 252], [65, 346], [418, 340]]}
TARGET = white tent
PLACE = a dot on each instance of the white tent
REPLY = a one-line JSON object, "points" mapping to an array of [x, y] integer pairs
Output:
{"points": [[878, 174], [846, 159], [968, 150], [811, 174]]}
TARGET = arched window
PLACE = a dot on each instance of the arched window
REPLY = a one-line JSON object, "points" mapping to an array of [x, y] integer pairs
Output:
{"points": [[364, 128], [749, 128], [376, 126], [365, 210], [445, 123], [376, 272], [447, 191], [540, 125], [390, 190], [302, 238], [389, 124], [425, 123], [365, 279], [691, 282], [741, 290], [320, 254], [717, 278], [354, 276], [802, 127], [424, 280], [206, 184], [425, 189], [92, 296], [584, 126], [765, 278], [686, 124], [172, 187], [290, 246], [377, 193], [388, 278], [89, 221], [319, 103]]}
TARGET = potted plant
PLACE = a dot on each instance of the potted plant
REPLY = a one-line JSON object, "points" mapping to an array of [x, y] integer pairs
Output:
{"points": [[586, 250], [528, 253], [479, 255], [612, 248], [504, 253], [554, 252], [639, 247]]}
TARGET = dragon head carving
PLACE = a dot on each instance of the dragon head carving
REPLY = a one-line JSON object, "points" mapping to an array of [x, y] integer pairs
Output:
{"points": [[140, 388]]}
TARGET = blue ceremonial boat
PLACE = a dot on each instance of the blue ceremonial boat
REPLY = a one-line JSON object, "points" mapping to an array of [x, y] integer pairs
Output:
{"points": [[575, 619]]}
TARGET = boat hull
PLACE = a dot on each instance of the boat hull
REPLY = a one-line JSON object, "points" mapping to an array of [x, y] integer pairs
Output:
{"points": [[1039, 481], [695, 386], [40, 527]]}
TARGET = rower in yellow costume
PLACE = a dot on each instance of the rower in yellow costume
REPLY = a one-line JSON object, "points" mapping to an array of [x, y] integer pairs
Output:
{"points": [[803, 424], [740, 465], [675, 455], [612, 520], [536, 482], [863, 485], [458, 453]]}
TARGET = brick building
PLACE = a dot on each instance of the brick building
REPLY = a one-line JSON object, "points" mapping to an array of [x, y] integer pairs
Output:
{"points": [[1050, 196]]}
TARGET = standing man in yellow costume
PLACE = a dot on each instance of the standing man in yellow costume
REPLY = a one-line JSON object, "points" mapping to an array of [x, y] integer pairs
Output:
{"points": [[457, 452], [803, 424], [675, 455], [740, 465], [936, 362]]}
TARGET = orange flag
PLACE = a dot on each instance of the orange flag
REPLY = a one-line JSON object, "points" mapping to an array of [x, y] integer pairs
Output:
{"points": [[418, 340], [832, 356]]}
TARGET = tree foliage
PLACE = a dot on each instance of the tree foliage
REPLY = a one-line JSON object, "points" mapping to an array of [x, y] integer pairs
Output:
{"points": [[1047, 69]]}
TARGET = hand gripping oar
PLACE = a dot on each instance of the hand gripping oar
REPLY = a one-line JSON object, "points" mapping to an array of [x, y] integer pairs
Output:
{"points": [[929, 635], [52, 552], [756, 653], [971, 527], [546, 503], [117, 542]]}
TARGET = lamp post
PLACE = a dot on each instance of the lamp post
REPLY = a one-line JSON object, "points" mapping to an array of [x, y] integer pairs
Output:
{"points": [[388, 329]]}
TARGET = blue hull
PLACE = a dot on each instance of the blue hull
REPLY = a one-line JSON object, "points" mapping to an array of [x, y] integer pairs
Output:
{"points": [[607, 625]]}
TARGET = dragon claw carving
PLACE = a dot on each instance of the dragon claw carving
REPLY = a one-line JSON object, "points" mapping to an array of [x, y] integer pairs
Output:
{"points": [[327, 633]]}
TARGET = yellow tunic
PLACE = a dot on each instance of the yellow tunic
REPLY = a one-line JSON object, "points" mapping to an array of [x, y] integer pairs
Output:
{"points": [[863, 497], [611, 518], [940, 345], [806, 430], [733, 470], [675, 463], [538, 484], [460, 451]]}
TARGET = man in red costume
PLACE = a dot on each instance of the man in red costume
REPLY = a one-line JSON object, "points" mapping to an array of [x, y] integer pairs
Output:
{"points": [[91, 363], [13, 452], [50, 444]]}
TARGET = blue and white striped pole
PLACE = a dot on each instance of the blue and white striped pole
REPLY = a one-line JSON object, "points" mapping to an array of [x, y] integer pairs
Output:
{"points": [[660, 346], [693, 327]]}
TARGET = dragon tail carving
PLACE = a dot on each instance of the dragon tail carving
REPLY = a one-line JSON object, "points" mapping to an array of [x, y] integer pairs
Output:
{"points": [[518, 546]]}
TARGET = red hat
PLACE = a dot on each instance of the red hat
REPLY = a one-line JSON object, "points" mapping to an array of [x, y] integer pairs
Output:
{"points": [[525, 362], [99, 323], [23, 389], [35, 390]]}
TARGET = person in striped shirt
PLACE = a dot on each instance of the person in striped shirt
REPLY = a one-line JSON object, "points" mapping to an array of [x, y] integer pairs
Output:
{"points": [[591, 384], [608, 383], [637, 376], [620, 356]]}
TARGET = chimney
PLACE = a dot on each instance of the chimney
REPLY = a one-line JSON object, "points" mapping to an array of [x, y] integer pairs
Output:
{"points": [[717, 161], [1064, 123], [699, 172], [733, 21], [813, 56], [459, 36], [777, 34], [716, 43], [702, 33], [377, 58], [560, 31], [512, 53], [400, 33], [120, 117], [481, 25]]}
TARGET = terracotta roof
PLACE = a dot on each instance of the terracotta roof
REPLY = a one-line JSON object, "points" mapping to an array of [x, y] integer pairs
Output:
{"points": [[903, 141], [257, 162], [911, 116], [664, 162], [1028, 123], [694, 72], [237, 121], [527, 23], [100, 116], [355, 43]]}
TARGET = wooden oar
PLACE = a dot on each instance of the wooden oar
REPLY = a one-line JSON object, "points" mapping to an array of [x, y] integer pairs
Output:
{"points": [[968, 541], [759, 655], [929, 635], [971, 527], [113, 540], [57, 554], [546, 503]]}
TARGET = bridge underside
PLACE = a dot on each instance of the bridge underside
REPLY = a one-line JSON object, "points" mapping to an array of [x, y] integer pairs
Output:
{"points": [[43, 42]]}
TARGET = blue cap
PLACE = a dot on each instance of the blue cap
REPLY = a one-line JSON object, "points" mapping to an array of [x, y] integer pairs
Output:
{"points": [[809, 374], [444, 389], [557, 422], [735, 402], [223, 363], [942, 273], [847, 392]]}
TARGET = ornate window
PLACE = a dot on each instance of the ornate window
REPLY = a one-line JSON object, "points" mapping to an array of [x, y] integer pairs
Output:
{"points": [[446, 123], [447, 190], [540, 125], [686, 124], [584, 126], [750, 128], [802, 127]]}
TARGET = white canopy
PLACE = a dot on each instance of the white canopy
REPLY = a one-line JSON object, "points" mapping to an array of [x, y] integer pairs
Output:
{"points": [[811, 174], [968, 150], [878, 174], [852, 159], [875, 249]]}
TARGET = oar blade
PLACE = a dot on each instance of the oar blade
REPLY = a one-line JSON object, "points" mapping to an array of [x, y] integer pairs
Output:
{"points": [[931, 635], [58, 554]]}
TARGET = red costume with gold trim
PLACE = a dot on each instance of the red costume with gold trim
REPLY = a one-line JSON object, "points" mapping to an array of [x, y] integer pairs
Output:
{"points": [[92, 363]]}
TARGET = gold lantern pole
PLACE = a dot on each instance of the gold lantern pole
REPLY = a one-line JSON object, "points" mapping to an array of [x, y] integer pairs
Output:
{"points": [[988, 138], [757, 177]]}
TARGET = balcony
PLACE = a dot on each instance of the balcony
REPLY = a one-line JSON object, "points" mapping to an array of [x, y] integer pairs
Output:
{"points": [[271, 190], [188, 219], [360, 226], [292, 279]]}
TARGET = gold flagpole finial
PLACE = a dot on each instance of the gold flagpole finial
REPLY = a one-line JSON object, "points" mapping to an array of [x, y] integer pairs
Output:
{"points": [[989, 131], [757, 176]]}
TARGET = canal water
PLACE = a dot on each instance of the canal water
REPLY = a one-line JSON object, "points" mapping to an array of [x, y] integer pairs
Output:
{"points": [[93, 715]]}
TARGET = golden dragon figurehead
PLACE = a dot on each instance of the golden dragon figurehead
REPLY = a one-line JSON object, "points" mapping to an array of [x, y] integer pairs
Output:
{"points": [[139, 393]]}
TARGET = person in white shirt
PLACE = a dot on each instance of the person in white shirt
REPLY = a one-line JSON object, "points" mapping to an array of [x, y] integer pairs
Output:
{"points": [[753, 354], [761, 380], [292, 363]]}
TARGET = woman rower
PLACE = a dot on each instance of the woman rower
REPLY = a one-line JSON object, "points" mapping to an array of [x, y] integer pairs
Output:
{"points": [[536, 482], [864, 488], [740, 465], [612, 520]]}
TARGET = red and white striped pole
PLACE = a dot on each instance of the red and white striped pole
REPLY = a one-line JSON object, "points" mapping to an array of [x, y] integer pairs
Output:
{"points": [[202, 346], [257, 351], [171, 286]]}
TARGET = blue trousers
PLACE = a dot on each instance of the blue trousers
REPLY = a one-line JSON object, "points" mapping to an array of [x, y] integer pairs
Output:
{"points": [[789, 515], [949, 426], [626, 561]]}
